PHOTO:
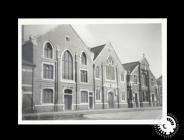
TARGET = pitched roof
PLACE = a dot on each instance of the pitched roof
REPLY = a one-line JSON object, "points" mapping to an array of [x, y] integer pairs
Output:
{"points": [[159, 80], [130, 66], [96, 50]]}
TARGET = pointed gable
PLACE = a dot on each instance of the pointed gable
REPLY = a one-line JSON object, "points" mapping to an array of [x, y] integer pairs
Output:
{"points": [[96, 50], [130, 66]]}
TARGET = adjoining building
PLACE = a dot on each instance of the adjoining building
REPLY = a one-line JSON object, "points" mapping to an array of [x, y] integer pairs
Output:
{"points": [[159, 83], [142, 90], [27, 77], [109, 80]]}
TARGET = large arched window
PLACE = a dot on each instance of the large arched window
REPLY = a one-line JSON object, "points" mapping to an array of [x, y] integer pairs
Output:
{"points": [[110, 69], [67, 66], [83, 59], [48, 51]]}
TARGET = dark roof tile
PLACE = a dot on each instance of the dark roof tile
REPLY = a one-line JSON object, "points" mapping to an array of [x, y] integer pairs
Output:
{"points": [[96, 50], [130, 66]]}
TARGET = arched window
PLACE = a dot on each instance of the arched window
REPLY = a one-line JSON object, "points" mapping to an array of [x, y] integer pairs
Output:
{"points": [[48, 52], [67, 66], [83, 59], [68, 91], [110, 70]]}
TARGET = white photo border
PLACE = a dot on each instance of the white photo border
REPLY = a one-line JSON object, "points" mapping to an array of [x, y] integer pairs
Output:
{"points": [[32, 21]]}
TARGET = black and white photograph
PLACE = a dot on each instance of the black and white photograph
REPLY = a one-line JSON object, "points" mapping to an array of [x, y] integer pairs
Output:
{"points": [[92, 71]]}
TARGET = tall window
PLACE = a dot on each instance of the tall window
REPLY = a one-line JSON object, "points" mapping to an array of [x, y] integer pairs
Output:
{"points": [[135, 79], [48, 71], [67, 66], [97, 72], [110, 70], [83, 59], [84, 76], [48, 52], [47, 96], [98, 94], [122, 76], [84, 97]]}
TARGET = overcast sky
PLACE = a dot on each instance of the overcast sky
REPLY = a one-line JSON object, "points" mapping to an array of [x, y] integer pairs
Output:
{"points": [[130, 41]]}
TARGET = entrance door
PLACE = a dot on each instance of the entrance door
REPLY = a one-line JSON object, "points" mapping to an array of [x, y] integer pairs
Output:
{"points": [[90, 102], [136, 100], [68, 102], [153, 101], [111, 100]]}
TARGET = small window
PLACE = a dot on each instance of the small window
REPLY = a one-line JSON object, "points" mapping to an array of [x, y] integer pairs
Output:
{"points": [[84, 97], [48, 52], [47, 97], [97, 72], [48, 71], [83, 59], [84, 76], [98, 94], [123, 96], [67, 38]]}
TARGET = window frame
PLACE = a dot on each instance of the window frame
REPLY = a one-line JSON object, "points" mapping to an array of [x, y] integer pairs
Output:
{"points": [[61, 68], [42, 72], [43, 50], [82, 69], [87, 91], [124, 96], [111, 65], [81, 59], [99, 72], [41, 99]]}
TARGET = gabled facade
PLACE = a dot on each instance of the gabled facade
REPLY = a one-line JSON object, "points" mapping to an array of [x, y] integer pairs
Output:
{"points": [[109, 78], [141, 84], [63, 74]]}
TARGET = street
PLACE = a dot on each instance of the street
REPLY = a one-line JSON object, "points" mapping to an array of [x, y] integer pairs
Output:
{"points": [[135, 115]]}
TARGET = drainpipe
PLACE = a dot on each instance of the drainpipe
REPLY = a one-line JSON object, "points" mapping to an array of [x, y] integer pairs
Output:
{"points": [[148, 87], [140, 91], [76, 86], [117, 86], [32, 102], [102, 85], [94, 82], [56, 82]]}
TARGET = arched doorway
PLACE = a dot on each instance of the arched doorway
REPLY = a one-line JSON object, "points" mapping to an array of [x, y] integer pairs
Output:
{"points": [[111, 99], [68, 99]]}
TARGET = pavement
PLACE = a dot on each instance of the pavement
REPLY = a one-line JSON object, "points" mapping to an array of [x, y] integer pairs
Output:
{"points": [[101, 114], [133, 115]]}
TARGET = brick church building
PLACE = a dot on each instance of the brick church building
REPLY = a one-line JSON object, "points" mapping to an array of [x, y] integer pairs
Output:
{"points": [[60, 73], [142, 89]]}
